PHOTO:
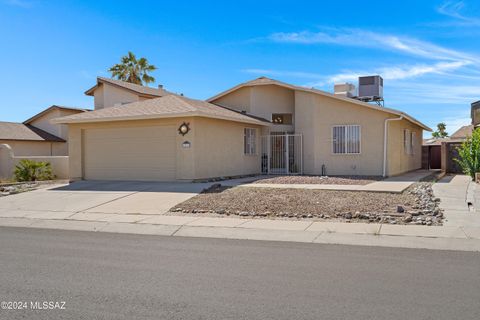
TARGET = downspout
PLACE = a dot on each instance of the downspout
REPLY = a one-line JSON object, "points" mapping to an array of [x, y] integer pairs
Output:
{"points": [[385, 140]]}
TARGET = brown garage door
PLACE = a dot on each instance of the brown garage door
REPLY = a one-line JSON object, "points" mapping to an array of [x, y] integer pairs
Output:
{"points": [[130, 153]]}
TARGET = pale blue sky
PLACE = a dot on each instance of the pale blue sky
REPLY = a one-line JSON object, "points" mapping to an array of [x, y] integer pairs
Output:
{"points": [[427, 51]]}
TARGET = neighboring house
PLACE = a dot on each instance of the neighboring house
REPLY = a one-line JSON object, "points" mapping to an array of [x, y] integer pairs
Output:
{"points": [[37, 136], [439, 153], [259, 126]]}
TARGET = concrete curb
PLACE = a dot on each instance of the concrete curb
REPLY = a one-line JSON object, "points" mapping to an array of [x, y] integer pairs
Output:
{"points": [[435, 238]]}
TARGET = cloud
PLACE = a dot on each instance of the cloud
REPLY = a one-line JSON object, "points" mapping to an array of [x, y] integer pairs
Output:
{"points": [[19, 3], [368, 39], [438, 86], [394, 73], [427, 92], [439, 60], [453, 9]]}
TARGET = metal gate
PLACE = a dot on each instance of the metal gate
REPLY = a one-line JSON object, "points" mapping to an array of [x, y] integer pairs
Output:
{"points": [[282, 154]]}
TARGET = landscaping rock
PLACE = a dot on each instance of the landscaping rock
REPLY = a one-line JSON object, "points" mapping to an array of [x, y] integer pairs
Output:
{"points": [[408, 218], [413, 206]]}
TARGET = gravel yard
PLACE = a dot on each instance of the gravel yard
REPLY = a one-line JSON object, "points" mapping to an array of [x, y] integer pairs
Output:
{"points": [[14, 188], [351, 180], [414, 206], [7, 189]]}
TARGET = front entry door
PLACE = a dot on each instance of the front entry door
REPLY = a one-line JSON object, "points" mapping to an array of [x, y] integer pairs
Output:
{"points": [[282, 154]]}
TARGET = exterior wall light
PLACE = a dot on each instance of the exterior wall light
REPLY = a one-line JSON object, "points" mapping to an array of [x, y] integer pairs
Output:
{"points": [[184, 128]]}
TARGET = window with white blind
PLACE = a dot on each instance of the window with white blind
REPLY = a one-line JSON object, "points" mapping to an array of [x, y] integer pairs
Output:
{"points": [[249, 141], [346, 139]]}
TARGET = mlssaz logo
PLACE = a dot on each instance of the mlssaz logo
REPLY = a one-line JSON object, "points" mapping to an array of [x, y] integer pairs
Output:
{"points": [[47, 305]]}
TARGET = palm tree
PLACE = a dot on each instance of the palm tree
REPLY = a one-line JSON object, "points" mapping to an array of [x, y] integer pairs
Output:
{"points": [[132, 70]]}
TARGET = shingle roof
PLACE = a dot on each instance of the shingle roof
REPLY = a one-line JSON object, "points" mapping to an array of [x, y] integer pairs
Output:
{"points": [[267, 81], [169, 106], [463, 132], [142, 90], [38, 115], [20, 131]]}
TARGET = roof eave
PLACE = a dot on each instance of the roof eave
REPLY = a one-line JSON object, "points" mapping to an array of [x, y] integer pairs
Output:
{"points": [[41, 113], [90, 92], [149, 117], [33, 140]]}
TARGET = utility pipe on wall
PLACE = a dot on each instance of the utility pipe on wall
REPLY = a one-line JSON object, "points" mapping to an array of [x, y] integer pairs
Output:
{"points": [[385, 140]]}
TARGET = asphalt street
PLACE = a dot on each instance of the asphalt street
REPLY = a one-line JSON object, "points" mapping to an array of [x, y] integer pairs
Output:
{"points": [[120, 276]]}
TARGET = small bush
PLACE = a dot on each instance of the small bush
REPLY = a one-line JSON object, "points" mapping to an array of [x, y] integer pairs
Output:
{"points": [[29, 170], [469, 154]]}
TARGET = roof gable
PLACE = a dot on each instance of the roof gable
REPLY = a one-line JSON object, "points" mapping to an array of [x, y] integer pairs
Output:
{"points": [[131, 87], [267, 81], [463, 132], [50, 109]]}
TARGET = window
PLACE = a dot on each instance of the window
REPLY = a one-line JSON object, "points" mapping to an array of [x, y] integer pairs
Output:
{"points": [[413, 137], [409, 141], [346, 139], [249, 141], [282, 118]]}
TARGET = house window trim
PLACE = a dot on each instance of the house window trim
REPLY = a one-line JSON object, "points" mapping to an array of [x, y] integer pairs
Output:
{"points": [[283, 114], [359, 140], [409, 137], [255, 151], [409, 143]]}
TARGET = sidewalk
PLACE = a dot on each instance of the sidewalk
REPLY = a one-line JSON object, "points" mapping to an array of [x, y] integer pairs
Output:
{"points": [[458, 195], [437, 238], [396, 184]]}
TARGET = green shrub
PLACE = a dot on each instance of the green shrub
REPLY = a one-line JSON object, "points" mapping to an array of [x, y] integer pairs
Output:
{"points": [[29, 170], [469, 154]]}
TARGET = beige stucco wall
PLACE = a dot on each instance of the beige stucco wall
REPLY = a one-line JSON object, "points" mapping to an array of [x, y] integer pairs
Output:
{"points": [[315, 116], [238, 100], [398, 159], [59, 130], [219, 149], [8, 161], [36, 148], [262, 101], [107, 95], [216, 147]]}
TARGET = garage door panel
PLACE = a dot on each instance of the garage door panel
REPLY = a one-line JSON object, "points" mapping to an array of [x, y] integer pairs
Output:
{"points": [[131, 153]]}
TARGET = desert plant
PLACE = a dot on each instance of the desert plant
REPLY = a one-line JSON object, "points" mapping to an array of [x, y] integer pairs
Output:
{"points": [[469, 154], [30, 170], [133, 70]]}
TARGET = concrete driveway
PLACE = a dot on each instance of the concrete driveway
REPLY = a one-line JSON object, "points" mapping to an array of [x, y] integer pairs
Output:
{"points": [[92, 199]]}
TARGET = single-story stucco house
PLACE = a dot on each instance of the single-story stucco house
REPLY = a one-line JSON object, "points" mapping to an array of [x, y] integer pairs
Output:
{"points": [[38, 136], [261, 126]]}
